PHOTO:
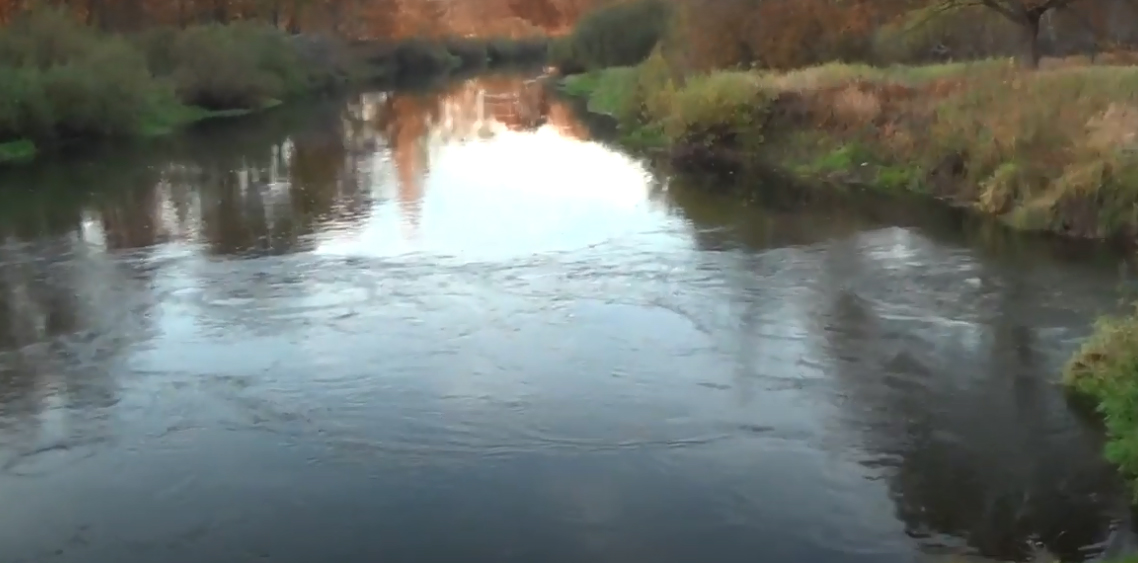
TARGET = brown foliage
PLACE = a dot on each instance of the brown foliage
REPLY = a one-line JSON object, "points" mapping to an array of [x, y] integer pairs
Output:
{"points": [[783, 34], [352, 18]]}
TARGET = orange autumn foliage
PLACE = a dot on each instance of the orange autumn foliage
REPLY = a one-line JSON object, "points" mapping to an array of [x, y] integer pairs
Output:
{"points": [[364, 19]]}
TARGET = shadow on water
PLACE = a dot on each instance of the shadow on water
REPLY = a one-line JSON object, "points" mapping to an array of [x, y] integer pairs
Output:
{"points": [[941, 330], [442, 321]]}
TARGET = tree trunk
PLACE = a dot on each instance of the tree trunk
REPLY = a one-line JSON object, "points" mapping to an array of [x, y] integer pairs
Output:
{"points": [[1029, 57]]}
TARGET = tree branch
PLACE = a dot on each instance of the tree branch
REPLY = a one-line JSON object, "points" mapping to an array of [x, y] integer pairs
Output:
{"points": [[1004, 10]]}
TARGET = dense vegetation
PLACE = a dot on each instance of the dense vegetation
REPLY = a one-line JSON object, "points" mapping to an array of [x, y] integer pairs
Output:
{"points": [[616, 35], [1044, 149], [1026, 110], [72, 70]]}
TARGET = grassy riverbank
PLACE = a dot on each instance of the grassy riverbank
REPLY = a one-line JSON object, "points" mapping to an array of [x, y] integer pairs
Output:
{"points": [[1050, 150], [63, 82]]}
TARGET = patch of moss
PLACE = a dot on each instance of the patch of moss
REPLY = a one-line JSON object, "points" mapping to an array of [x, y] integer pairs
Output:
{"points": [[845, 157], [20, 150], [899, 178]]}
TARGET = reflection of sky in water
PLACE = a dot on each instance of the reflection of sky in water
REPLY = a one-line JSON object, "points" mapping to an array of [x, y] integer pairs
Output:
{"points": [[511, 195]]}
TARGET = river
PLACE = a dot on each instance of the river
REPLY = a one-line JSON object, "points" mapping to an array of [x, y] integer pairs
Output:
{"points": [[450, 325]]}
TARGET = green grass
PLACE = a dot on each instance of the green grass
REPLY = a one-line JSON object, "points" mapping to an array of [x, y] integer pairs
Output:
{"points": [[20, 150], [608, 92], [1106, 370], [171, 119]]}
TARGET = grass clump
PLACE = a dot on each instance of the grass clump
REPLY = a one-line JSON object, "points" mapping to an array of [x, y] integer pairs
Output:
{"points": [[1106, 370], [718, 109]]}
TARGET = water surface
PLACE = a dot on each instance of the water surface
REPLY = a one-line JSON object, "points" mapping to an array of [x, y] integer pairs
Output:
{"points": [[449, 326]]}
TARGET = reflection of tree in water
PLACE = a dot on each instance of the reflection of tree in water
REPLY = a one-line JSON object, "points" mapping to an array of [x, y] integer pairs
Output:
{"points": [[69, 313], [406, 120], [979, 448], [721, 218], [277, 197], [973, 442]]}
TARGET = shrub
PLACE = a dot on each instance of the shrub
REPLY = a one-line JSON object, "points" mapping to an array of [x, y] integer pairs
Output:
{"points": [[722, 108], [1106, 369], [23, 109], [109, 92], [234, 66], [622, 34], [61, 79]]}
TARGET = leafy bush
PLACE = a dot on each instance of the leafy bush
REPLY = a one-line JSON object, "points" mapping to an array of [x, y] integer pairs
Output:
{"points": [[718, 108], [1106, 369], [61, 79], [234, 66], [622, 34]]}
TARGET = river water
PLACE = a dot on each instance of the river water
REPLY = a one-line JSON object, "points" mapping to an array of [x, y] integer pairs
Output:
{"points": [[448, 325]]}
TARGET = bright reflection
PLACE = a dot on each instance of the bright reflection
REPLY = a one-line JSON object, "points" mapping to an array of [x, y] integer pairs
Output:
{"points": [[483, 172]]}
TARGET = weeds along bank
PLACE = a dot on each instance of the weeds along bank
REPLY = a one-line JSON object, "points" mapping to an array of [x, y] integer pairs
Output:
{"points": [[62, 81], [1045, 150], [1050, 150]]}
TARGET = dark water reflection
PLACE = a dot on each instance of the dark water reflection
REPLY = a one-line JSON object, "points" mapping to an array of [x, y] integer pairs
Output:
{"points": [[447, 326]]}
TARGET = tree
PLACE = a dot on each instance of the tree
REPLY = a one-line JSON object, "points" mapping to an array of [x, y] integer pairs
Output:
{"points": [[1025, 14]]}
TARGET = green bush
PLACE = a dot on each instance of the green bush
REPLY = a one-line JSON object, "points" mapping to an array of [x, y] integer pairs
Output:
{"points": [[110, 92], [1106, 370], [234, 66], [62, 80], [721, 108], [622, 34]]}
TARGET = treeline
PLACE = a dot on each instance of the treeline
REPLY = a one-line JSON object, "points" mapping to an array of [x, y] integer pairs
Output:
{"points": [[356, 19], [785, 34]]}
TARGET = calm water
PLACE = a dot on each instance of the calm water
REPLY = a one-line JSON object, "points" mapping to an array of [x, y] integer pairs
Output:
{"points": [[448, 326]]}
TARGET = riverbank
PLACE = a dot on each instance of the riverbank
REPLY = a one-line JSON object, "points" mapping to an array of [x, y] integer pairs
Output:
{"points": [[98, 85], [1052, 150]]}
